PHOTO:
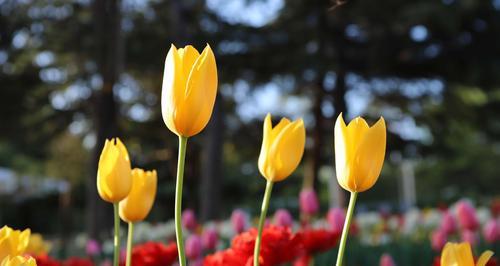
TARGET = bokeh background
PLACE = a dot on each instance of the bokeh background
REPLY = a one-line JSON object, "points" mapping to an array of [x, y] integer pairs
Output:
{"points": [[73, 73]]}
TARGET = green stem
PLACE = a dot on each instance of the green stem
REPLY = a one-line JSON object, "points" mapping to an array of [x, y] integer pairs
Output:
{"points": [[130, 239], [263, 212], [116, 254], [347, 225], [178, 200]]}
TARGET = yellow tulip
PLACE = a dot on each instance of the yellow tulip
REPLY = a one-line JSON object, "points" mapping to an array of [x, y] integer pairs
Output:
{"points": [[37, 246], [455, 254], [136, 206], [359, 153], [114, 179], [13, 242], [282, 148], [18, 261], [189, 89]]}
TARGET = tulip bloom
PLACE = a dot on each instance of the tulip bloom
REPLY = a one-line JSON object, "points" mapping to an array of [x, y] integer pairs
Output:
{"points": [[455, 254], [491, 231], [386, 260], [18, 261], [281, 152], [308, 202], [189, 89], [13, 242], [359, 156], [359, 153], [114, 180], [37, 245], [136, 206], [282, 148]]}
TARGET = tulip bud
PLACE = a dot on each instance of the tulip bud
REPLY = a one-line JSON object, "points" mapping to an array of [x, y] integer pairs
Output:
{"points": [[282, 148], [448, 224], [336, 218], [189, 89], [491, 231], [18, 261], [386, 260], [114, 179], [136, 206], [13, 242], [239, 220], [359, 153], [438, 239], [308, 201], [210, 239], [467, 215], [189, 219], [193, 247], [283, 218], [93, 248]]}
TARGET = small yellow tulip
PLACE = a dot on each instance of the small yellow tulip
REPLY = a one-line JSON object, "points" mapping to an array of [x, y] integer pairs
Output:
{"points": [[13, 242], [114, 179], [37, 245], [189, 89], [136, 206], [18, 261], [282, 148], [455, 254], [359, 153]]}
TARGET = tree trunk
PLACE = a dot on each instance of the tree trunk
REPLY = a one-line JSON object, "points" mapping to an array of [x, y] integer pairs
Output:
{"points": [[108, 52], [212, 164]]}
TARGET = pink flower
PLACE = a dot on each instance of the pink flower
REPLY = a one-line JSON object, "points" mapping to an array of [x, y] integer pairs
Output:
{"points": [[93, 248], [467, 215], [336, 218], [239, 220], [470, 236], [283, 218], [189, 219], [210, 239], [194, 247], [308, 201], [448, 223], [438, 239], [386, 260], [491, 231]]}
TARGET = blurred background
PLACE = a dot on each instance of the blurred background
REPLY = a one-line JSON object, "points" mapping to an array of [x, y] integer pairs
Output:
{"points": [[73, 73]]}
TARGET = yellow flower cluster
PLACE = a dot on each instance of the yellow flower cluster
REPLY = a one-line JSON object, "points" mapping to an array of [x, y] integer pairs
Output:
{"points": [[17, 245]]}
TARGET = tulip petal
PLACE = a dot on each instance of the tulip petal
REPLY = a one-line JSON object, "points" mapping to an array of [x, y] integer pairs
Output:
{"points": [[288, 149], [188, 56], [173, 88], [369, 156], [341, 155], [266, 142], [484, 258]]}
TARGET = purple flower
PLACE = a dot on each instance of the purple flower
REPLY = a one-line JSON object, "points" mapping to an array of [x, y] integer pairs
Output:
{"points": [[283, 218], [194, 247], [92, 248], [308, 201], [336, 218], [210, 239], [189, 219], [239, 220], [491, 231]]}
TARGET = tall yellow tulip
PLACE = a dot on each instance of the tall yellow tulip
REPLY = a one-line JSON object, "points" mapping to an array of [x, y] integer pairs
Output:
{"points": [[359, 153], [114, 179], [455, 254], [114, 182], [18, 261], [282, 148], [189, 89], [13, 242], [359, 156], [281, 152], [136, 206]]}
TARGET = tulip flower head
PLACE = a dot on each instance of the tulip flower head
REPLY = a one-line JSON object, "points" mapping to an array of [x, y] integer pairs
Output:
{"points": [[136, 206], [438, 239], [308, 201], [282, 148], [386, 260], [491, 231], [18, 261], [467, 215], [189, 89], [114, 179], [194, 247], [282, 217], [210, 239], [359, 153], [455, 254], [13, 242], [336, 219], [239, 220], [92, 248], [189, 219], [448, 224]]}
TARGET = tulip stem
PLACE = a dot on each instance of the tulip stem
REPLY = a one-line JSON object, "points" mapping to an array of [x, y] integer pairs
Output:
{"points": [[116, 254], [130, 239], [178, 200], [347, 225], [263, 212]]}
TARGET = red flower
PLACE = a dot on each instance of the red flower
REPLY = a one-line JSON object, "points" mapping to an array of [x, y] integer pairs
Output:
{"points": [[45, 260], [74, 261], [318, 240], [154, 254], [279, 245]]}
